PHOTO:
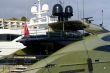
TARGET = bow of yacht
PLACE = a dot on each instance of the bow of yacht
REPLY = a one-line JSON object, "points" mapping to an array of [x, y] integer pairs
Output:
{"points": [[8, 42]]}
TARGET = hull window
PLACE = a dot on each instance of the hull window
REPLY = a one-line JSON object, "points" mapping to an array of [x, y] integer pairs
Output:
{"points": [[73, 71], [7, 37]]}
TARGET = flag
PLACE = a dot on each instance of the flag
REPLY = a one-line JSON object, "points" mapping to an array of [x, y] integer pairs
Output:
{"points": [[26, 31]]}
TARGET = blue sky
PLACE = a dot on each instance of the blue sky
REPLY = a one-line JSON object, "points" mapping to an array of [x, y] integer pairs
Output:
{"points": [[19, 8]]}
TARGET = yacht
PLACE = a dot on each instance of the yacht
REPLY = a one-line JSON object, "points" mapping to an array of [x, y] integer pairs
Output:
{"points": [[8, 41], [69, 50], [9, 46], [51, 33]]}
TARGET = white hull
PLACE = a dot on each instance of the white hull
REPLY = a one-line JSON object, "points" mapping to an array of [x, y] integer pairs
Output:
{"points": [[8, 48]]}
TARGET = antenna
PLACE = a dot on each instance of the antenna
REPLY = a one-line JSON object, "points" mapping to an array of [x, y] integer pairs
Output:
{"points": [[102, 17], [61, 2], [39, 9], [83, 10], [77, 9]]}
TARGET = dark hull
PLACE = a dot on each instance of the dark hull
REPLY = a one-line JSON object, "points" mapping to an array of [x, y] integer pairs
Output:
{"points": [[47, 44]]}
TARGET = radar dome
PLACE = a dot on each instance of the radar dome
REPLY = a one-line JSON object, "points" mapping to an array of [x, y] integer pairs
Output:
{"points": [[57, 9], [45, 7], [34, 10], [69, 10]]}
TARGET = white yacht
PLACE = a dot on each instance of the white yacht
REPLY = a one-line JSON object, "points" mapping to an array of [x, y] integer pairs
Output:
{"points": [[10, 47], [8, 41]]}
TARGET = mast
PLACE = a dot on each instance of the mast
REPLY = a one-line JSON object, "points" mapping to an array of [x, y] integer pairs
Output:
{"points": [[83, 11], [39, 8], [102, 17]]}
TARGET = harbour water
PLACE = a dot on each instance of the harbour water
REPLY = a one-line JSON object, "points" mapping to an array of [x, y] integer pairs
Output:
{"points": [[16, 64]]}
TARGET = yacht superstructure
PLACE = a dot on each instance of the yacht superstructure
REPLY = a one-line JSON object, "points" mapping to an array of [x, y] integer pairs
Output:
{"points": [[41, 20]]}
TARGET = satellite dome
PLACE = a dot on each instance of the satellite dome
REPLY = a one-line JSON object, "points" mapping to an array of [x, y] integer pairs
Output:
{"points": [[69, 10], [45, 7], [34, 10], [57, 9]]}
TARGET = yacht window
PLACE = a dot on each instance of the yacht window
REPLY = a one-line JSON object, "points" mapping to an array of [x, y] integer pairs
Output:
{"points": [[105, 48], [73, 71], [106, 38], [7, 37]]}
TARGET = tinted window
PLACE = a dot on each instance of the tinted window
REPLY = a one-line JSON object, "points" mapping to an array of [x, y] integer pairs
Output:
{"points": [[105, 48], [73, 71], [106, 38], [7, 37]]}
